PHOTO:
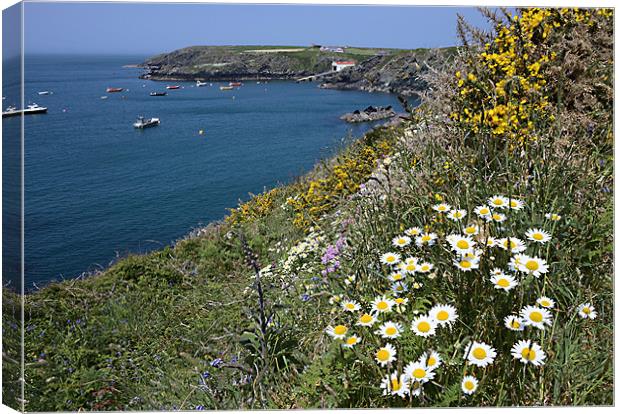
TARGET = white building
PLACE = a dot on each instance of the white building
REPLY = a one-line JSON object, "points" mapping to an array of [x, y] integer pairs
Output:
{"points": [[338, 65]]}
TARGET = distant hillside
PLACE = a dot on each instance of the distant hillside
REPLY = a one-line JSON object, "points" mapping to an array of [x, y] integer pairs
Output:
{"points": [[387, 70]]}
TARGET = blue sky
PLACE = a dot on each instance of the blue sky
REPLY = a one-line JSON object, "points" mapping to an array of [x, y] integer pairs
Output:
{"points": [[125, 28]]}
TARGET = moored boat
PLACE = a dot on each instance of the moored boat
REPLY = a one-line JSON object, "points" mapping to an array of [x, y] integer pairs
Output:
{"points": [[226, 88], [143, 122], [44, 93], [173, 87], [158, 93], [30, 110], [234, 84], [199, 84], [111, 90]]}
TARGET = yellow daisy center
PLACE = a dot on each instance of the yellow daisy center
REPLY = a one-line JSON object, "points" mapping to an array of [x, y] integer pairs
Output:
{"points": [[400, 301], [503, 283], [383, 355], [390, 259], [537, 236], [350, 306], [402, 241], [431, 361], [366, 318], [532, 265], [465, 263], [586, 310], [426, 238], [515, 324], [498, 202], [442, 315], [441, 208], [424, 268], [513, 203], [424, 326], [496, 217], [528, 353], [458, 214], [352, 341], [382, 305], [462, 244], [470, 230], [390, 330], [340, 330], [545, 302], [479, 353], [536, 316], [410, 267], [469, 385], [484, 211], [396, 384], [419, 373]]}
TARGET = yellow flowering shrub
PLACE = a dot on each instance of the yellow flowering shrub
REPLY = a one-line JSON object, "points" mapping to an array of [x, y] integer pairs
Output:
{"points": [[259, 206]]}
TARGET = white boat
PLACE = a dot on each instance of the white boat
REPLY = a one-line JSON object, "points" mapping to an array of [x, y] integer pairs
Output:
{"points": [[198, 83], [143, 122], [44, 93], [226, 88], [104, 97], [31, 109]]}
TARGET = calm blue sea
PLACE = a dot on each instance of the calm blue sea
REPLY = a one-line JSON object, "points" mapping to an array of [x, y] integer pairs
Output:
{"points": [[96, 188]]}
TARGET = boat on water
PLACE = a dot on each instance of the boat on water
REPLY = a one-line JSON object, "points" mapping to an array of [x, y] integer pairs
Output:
{"points": [[173, 87], [112, 90], [44, 93], [199, 84], [31, 109], [158, 93], [143, 122], [104, 97], [234, 84], [226, 88]]}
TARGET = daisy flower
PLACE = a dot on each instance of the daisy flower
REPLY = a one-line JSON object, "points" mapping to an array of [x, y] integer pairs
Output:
{"points": [[390, 258], [537, 317], [399, 288], [516, 245], [426, 239], [492, 242], [390, 330], [482, 211], [442, 208], [395, 276], [469, 384], [496, 217], [553, 216], [410, 267], [443, 314], [413, 231], [497, 272], [350, 306], [401, 301], [498, 201], [538, 235], [457, 215], [530, 265], [471, 230], [545, 302], [337, 332], [401, 241], [587, 311], [503, 281], [513, 322], [461, 244], [415, 388], [432, 359], [424, 326], [351, 341], [419, 371], [366, 320], [395, 385], [382, 304], [480, 354], [425, 267], [385, 355], [528, 352], [516, 204], [466, 264]]}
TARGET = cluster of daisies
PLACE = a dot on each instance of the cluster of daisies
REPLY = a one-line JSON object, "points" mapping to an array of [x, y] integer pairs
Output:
{"points": [[468, 246]]}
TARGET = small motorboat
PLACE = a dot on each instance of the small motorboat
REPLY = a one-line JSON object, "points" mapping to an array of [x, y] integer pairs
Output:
{"points": [[44, 93], [226, 88], [112, 90], [104, 97], [158, 93], [143, 122], [234, 84], [31, 109], [199, 84], [173, 87]]}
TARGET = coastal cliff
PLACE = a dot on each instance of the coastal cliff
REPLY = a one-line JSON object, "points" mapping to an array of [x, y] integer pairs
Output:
{"points": [[375, 70]]}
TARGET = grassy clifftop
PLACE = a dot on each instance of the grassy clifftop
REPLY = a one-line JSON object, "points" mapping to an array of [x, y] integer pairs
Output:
{"points": [[476, 237]]}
